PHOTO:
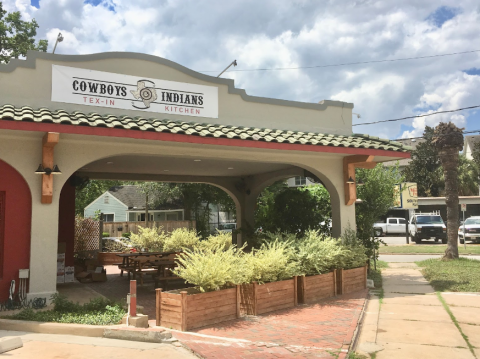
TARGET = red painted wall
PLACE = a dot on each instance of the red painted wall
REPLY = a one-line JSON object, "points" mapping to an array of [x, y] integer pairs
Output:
{"points": [[15, 253], [66, 220]]}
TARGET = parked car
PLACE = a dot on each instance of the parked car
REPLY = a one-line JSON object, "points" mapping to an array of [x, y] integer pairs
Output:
{"points": [[427, 226], [392, 226], [472, 230], [227, 227]]}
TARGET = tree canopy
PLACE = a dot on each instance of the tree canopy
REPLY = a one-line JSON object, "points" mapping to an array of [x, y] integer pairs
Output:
{"points": [[377, 197], [425, 168], [17, 36], [293, 210]]}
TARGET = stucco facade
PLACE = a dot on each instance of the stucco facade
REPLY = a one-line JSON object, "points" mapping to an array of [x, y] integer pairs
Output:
{"points": [[106, 150]]}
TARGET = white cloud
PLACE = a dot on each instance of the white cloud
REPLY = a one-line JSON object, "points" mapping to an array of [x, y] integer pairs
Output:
{"points": [[270, 34]]}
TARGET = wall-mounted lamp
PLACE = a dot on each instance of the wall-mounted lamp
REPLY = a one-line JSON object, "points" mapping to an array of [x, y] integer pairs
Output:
{"points": [[350, 180], [360, 182], [48, 171]]}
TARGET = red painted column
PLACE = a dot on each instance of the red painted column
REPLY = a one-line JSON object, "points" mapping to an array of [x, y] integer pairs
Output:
{"points": [[16, 227], [133, 298], [66, 220]]}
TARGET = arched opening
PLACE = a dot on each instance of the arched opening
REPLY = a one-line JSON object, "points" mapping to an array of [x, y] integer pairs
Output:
{"points": [[15, 226], [294, 205]]}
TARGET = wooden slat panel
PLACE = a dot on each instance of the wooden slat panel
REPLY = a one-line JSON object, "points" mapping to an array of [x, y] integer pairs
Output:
{"points": [[275, 301], [213, 312], [209, 295], [170, 301], [212, 305], [173, 325], [273, 308], [209, 321], [171, 316], [171, 308], [274, 286], [278, 293]]}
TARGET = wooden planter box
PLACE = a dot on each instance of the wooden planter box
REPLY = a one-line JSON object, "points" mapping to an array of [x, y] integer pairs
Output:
{"points": [[108, 258], [313, 288], [351, 280], [258, 299], [183, 311]]}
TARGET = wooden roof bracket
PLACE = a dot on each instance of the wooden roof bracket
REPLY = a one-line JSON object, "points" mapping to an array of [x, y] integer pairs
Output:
{"points": [[349, 165], [48, 143]]}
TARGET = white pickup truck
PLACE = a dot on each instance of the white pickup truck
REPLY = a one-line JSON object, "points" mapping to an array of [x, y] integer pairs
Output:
{"points": [[392, 226]]}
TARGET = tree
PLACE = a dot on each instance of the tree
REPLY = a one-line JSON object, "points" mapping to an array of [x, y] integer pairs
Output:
{"points": [[425, 167], [91, 191], [378, 196], [195, 197], [448, 139], [17, 36], [476, 153], [323, 205], [468, 173]]}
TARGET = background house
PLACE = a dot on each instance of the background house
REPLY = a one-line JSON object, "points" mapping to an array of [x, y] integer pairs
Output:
{"points": [[127, 204]]}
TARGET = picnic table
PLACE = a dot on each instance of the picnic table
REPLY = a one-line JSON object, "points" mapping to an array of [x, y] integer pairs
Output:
{"points": [[156, 264]]}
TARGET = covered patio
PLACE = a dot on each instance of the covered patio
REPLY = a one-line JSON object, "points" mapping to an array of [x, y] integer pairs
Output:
{"points": [[236, 142]]}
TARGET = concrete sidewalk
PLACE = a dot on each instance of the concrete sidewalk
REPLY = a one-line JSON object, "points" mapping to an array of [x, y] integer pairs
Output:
{"points": [[48, 346], [411, 322]]}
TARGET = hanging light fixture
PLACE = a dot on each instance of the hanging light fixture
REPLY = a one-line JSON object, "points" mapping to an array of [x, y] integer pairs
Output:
{"points": [[350, 180], [360, 182], [48, 171]]}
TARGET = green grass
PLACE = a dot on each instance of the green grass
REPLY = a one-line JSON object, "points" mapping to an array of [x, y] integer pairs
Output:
{"points": [[454, 320], [98, 312], [427, 249], [459, 275], [376, 275]]}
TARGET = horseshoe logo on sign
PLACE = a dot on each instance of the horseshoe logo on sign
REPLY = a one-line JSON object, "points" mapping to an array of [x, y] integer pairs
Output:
{"points": [[144, 93]]}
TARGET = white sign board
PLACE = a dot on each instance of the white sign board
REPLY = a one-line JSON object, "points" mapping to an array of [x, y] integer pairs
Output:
{"points": [[464, 207], [106, 89]]}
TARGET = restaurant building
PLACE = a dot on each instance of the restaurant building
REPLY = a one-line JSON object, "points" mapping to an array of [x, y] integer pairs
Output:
{"points": [[130, 116]]}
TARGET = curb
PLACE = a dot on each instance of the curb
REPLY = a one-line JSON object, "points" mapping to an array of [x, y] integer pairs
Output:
{"points": [[152, 335], [356, 334], [82, 330]]}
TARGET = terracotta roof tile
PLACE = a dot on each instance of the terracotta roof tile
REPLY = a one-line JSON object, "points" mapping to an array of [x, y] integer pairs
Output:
{"points": [[27, 114]]}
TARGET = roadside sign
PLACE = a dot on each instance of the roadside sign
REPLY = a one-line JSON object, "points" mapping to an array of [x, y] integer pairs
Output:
{"points": [[464, 207], [406, 195]]}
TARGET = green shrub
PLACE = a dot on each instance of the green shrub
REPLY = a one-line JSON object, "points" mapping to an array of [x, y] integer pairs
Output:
{"points": [[221, 240], [98, 311], [126, 235], [274, 261], [213, 268], [150, 239], [317, 254], [105, 234], [180, 239]]}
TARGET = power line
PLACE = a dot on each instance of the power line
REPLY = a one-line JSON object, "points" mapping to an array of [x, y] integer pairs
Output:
{"points": [[350, 63], [420, 137], [416, 116]]}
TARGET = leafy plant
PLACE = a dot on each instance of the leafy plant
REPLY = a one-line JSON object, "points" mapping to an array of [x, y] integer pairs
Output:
{"points": [[150, 239], [213, 268], [378, 196], [98, 311], [105, 234], [272, 262], [220, 240], [127, 235], [181, 239]]}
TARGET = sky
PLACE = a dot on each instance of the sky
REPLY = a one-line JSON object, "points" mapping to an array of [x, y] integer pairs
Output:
{"points": [[208, 35]]}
